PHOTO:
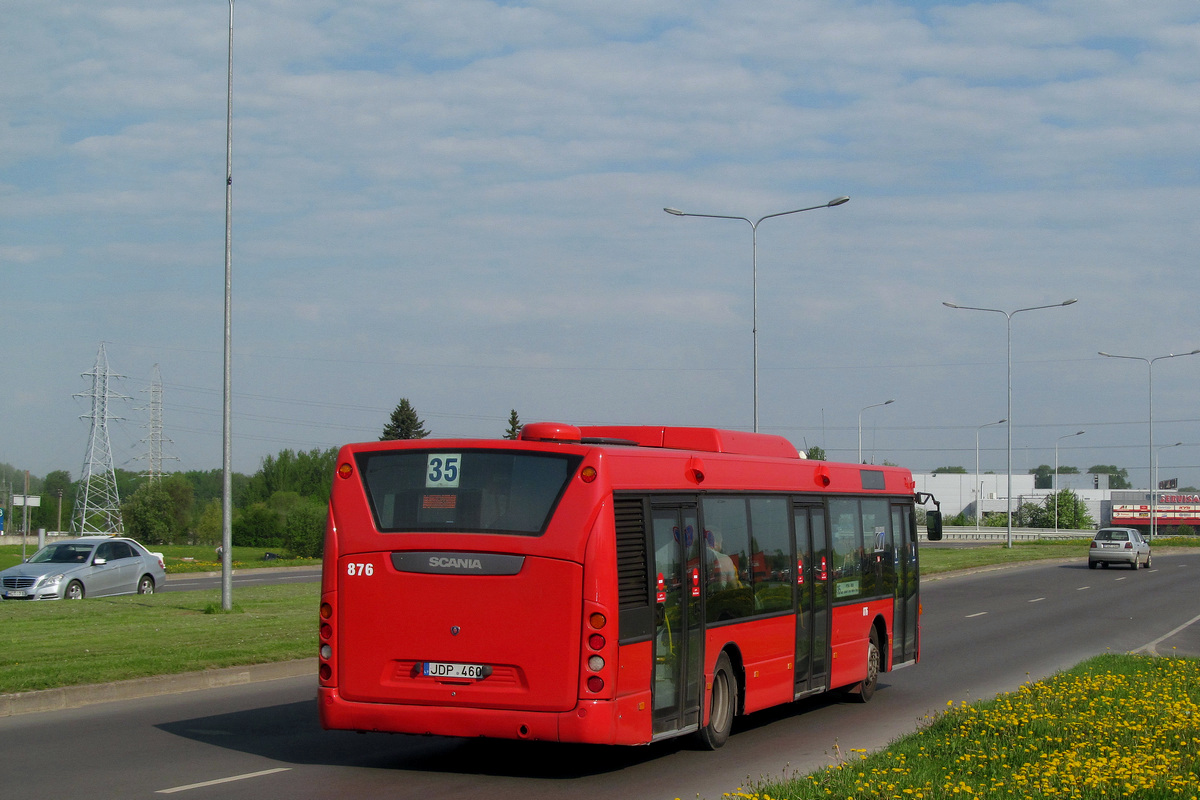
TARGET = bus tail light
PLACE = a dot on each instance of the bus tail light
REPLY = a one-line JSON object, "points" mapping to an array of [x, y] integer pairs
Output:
{"points": [[345, 470], [325, 651], [594, 659]]}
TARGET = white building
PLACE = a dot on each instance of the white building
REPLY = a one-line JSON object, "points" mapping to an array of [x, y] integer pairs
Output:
{"points": [[958, 492]]}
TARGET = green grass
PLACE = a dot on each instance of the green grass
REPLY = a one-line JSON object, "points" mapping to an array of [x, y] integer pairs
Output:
{"points": [[185, 558], [52, 644], [1115, 726], [948, 559]]}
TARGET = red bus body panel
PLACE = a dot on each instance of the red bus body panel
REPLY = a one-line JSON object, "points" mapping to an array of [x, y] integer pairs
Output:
{"points": [[851, 634], [768, 651], [517, 624]]}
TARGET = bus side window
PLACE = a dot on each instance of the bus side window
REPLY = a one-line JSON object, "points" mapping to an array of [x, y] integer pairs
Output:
{"points": [[847, 546], [726, 547], [875, 519], [770, 557]]}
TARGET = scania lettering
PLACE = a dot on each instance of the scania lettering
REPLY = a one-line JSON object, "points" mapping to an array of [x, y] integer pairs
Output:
{"points": [[461, 563]]}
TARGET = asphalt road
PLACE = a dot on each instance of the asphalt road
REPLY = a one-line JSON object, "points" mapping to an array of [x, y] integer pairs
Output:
{"points": [[982, 634], [186, 582]]}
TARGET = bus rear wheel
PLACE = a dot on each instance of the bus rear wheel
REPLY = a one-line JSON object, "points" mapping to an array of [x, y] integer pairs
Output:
{"points": [[866, 690], [724, 705]]}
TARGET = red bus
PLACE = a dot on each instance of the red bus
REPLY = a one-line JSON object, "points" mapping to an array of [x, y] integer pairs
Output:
{"points": [[612, 585]]}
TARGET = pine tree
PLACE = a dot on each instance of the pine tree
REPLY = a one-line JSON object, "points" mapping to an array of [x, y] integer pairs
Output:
{"points": [[514, 425], [404, 424]]}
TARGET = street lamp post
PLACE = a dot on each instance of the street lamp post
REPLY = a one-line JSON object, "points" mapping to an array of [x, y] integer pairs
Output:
{"points": [[860, 413], [227, 402], [1055, 483], [978, 483], [837, 201], [1150, 371], [1009, 315]]}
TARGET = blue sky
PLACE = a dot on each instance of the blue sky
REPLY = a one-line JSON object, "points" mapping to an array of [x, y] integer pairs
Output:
{"points": [[461, 203]]}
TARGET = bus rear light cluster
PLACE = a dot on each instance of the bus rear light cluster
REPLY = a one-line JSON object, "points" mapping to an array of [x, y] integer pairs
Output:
{"points": [[596, 642], [345, 470], [325, 670]]}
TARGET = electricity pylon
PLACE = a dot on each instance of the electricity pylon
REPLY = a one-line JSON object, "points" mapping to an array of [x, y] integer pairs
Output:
{"points": [[155, 440], [98, 509]]}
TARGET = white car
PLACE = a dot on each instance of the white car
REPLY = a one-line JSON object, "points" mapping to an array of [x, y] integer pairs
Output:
{"points": [[1118, 546], [92, 566]]}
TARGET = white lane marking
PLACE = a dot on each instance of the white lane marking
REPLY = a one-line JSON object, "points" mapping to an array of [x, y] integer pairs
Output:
{"points": [[219, 781], [1037, 599], [980, 614], [1082, 588], [1150, 648]]}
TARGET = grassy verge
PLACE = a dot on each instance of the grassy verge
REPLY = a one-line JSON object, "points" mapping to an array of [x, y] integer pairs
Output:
{"points": [[1113, 727], [948, 559], [186, 558], [45, 645]]}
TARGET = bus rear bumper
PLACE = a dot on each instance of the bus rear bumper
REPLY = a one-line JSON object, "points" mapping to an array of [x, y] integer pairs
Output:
{"points": [[591, 721]]}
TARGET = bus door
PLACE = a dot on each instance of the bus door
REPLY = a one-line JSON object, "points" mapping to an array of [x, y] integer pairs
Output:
{"points": [[678, 624], [904, 621], [812, 598]]}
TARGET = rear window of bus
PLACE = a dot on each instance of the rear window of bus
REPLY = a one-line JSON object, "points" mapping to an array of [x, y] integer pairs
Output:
{"points": [[468, 491]]}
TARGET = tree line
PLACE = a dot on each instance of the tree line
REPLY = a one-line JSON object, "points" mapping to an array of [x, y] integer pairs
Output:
{"points": [[283, 505]]}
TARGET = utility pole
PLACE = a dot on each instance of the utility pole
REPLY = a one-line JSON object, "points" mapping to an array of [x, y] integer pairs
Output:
{"points": [[25, 527]]}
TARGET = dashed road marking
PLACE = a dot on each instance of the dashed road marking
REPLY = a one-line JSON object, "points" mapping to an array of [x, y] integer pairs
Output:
{"points": [[219, 781]]}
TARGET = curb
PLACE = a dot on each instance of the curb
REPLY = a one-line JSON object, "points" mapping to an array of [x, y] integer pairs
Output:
{"points": [[77, 696]]}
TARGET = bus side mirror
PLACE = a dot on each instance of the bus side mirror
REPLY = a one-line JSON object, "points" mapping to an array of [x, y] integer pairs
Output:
{"points": [[933, 526]]}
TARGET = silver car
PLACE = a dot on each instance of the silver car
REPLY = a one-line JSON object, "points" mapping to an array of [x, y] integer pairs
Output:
{"points": [[1118, 546], [92, 566]]}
